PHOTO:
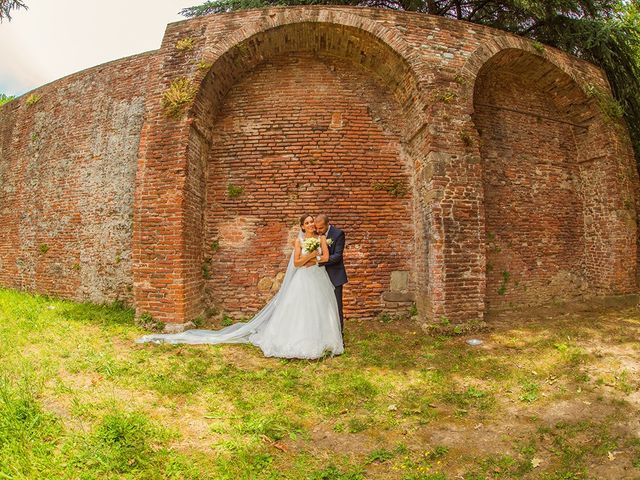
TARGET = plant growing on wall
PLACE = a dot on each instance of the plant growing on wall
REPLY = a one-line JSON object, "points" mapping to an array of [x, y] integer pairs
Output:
{"points": [[186, 43], [178, 96], [609, 106], [203, 65], [466, 138], [234, 191], [32, 99], [395, 188], [539, 47], [503, 286], [206, 269], [444, 96]]}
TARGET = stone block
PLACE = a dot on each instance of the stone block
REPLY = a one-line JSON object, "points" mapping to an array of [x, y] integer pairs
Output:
{"points": [[265, 284], [399, 281], [178, 327], [398, 297]]}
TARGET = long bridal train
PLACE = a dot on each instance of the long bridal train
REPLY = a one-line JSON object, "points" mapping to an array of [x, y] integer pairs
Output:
{"points": [[300, 321]]}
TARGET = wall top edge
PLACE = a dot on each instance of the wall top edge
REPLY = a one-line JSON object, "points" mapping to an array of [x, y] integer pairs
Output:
{"points": [[83, 72]]}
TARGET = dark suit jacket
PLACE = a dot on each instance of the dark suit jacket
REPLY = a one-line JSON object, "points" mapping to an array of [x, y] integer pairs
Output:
{"points": [[335, 264]]}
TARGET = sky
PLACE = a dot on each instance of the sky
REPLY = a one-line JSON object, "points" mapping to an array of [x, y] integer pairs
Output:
{"points": [[53, 39]]}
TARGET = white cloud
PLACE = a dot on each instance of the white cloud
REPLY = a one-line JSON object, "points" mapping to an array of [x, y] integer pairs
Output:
{"points": [[53, 39]]}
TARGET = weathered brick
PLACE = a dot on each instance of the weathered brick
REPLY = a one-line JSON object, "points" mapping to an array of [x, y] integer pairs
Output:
{"points": [[509, 167]]}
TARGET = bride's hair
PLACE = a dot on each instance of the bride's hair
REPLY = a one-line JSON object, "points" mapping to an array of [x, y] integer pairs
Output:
{"points": [[302, 219]]}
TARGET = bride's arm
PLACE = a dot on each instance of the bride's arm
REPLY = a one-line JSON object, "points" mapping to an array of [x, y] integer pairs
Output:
{"points": [[300, 260], [325, 249]]}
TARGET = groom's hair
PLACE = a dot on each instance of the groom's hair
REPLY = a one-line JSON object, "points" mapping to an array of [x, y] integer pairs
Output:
{"points": [[323, 218]]}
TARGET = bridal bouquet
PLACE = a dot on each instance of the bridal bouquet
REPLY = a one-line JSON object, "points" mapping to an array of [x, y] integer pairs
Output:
{"points": [[311, 244]]}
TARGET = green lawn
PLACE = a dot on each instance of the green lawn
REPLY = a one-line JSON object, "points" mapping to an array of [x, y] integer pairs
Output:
{"points": [[545, 397]]}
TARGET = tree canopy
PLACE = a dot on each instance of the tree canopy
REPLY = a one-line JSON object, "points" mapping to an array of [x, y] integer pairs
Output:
{"points": [[6, 6], [604, 32]]}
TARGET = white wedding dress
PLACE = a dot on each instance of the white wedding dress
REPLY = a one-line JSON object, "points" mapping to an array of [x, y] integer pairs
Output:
{"points": [[300, 321]]}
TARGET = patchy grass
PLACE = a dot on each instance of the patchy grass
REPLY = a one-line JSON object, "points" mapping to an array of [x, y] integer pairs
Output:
{"points": [[544, 397]]}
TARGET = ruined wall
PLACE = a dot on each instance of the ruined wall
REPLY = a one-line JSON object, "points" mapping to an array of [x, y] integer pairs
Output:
{"points": [[67, 176]]}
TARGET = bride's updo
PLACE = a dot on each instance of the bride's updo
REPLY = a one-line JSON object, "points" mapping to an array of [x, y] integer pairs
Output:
{"points": [[302, 219]]}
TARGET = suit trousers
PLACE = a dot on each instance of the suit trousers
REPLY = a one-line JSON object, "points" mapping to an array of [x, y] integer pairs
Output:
{"points": [[338, 292]]}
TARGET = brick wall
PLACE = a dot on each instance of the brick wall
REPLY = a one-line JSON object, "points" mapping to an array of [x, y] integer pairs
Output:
{"points": [[373, 94], [67, 176], [430, 67]]}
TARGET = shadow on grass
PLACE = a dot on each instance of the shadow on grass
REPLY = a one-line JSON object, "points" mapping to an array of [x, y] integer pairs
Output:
{"points": [[99, 314]]}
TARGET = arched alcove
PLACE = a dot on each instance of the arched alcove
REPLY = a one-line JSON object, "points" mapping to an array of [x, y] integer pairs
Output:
{"points": [[306, 116], [551, 218]]}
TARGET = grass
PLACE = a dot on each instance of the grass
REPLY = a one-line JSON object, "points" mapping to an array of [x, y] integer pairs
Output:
{"points": [[543, 398]]}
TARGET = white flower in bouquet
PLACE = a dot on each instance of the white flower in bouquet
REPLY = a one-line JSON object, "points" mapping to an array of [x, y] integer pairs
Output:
{"points": [[311, 244], [329, 241]]}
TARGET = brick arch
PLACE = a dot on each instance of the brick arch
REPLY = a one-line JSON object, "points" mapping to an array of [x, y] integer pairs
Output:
{"points": [[290, 16], [382, 51], [315, 149], [554, 241], [506, 49], [169, 283]]}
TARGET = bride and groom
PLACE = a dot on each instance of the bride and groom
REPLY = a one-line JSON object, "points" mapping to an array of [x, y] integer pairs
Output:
{"points": [[304, 318]]}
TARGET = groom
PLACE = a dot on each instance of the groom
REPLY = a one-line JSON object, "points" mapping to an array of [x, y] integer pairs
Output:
{"points": [[335, 265]]}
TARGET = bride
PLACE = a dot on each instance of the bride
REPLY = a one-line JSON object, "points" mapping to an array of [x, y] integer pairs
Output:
{"points": [[300, 321]]}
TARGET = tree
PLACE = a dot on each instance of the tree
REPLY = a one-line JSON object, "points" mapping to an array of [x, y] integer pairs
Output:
{"points": [[5, 99], [7, 5], [604, 32]]}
